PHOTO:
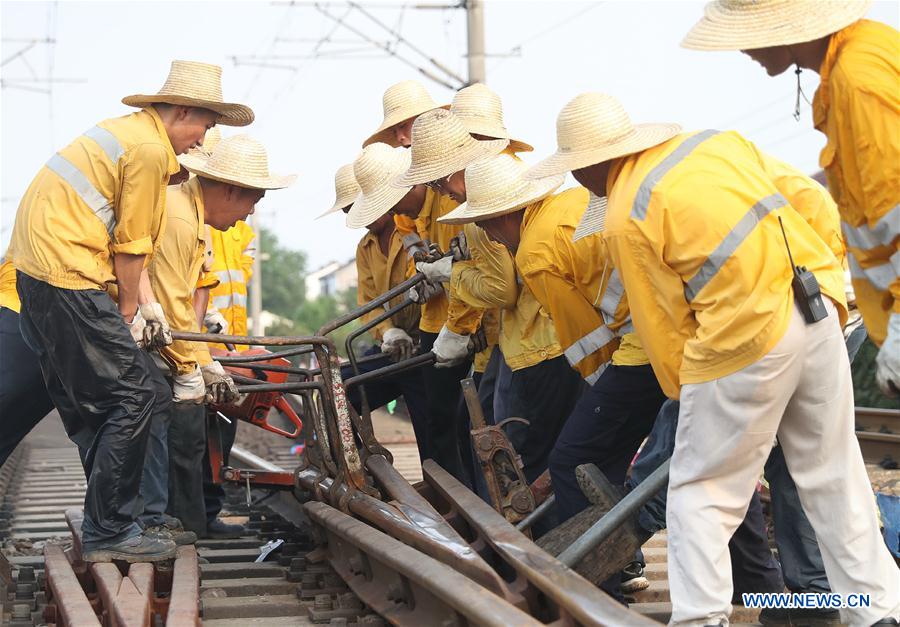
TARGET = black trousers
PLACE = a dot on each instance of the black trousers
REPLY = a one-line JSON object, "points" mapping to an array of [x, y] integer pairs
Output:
{"points": [[446, 424], [214, 493], [106, 390], [544, 394], [187, 447], [23, 396]]}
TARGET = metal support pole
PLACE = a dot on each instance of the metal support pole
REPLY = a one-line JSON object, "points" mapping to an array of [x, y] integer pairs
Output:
{"points": [[475, 33], [617, 516]]}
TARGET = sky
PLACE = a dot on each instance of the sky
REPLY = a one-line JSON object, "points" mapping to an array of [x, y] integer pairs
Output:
{"points": [[316, 85]]}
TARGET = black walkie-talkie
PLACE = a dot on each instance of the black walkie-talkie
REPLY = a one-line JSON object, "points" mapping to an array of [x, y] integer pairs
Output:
{"points": [[806, 288]]}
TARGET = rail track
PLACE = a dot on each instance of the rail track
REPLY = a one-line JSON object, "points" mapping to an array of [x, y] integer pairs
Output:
{"points": [[878, 432]]}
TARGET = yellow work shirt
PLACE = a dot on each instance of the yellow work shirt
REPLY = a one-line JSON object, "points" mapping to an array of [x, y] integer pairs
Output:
{"points": [[176, 269], [489, 281], [102, 194], [377, 274], [577, 284], [9, 297], [692, 226], [233, 253], [857, 106]]}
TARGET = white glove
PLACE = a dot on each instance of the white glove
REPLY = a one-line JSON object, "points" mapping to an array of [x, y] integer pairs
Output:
{"points": [[215, 322], [137, 326], [157, 332], [887, 363], [436, 271], [450, 348], [459, 246], [424, 292], [412, 243], [220, 388], [397, 343], [189, 388]]}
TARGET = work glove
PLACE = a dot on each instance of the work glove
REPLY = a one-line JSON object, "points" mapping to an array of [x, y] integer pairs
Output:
{"points": [[459, 246], [450, 349], [136, 327], [397, 343], [887, 362], [189, 387], [220, 388], [215, 322], [436, 271], [424, 292], [413, 244], [157, 332]]}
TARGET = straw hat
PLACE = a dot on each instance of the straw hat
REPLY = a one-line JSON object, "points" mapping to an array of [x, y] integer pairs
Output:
{"points": [[594, 128], [441, 145], [196, 84], [496, 186], [238, 160], [210, 141], [481, 112], [346, 189], [374, 170], [749, 24], [593, 220], [401, 101]]}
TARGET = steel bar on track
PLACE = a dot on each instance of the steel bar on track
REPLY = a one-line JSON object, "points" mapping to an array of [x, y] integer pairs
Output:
{"points": [[72, 605], [184, 602]]}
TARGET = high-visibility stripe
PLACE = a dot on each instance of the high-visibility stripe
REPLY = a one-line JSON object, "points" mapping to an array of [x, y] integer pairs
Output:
{"points": [[598, 338], [628, 327], [642, 198], [595, 375], [885, 231], [880, 276], [230, 300], [612, 296], [250, 249], [107, 141], [229, 276], [731, 242], [97, 202]]}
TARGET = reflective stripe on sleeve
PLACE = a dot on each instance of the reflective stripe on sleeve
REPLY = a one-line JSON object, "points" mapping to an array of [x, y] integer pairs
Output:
{"points": [[885, 231], [592, 378], [230, 300], [880, 276], [229, 276], [250, 249], [107, 141], [596, 339], [642, 198], [731, 242], [97, 202], [612, 296]]}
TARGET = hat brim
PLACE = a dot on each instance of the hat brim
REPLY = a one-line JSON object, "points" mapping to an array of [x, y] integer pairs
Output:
{"points": [[230, 113], [366, 209], [594, 218], [384, 135], [771, 25], [536, 190], [338, 205], [475, 126], [451, 160], [643, 136], [198, 166]]}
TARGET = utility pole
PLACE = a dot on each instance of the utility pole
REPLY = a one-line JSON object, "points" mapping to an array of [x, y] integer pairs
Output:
{"points": [[256, 281], [475, 32]]}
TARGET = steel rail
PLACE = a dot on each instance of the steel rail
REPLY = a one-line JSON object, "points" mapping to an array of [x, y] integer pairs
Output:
{"points": [[184, 602], [72, 605]]}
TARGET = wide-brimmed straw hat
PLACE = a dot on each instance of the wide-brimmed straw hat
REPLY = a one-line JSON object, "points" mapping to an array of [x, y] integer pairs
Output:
{"points": [[593, 128], [441, 145], [481, 112], [749, 24], [402, 101], [194, 84], [238, 160], [374, 169], [211, 139], [593, 220], [496, 186], [346, 189]]}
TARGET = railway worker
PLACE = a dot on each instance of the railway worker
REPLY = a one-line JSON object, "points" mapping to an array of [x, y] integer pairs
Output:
{"points": [[451, 344], [88, 222], [747, 354], [381, 264], [857, 107]]}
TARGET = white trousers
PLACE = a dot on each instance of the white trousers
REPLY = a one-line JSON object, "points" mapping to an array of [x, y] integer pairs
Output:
{"points": [[800, 391]]}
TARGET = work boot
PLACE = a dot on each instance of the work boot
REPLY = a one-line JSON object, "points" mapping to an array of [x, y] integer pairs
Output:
{"points": [[179, 537], [633, 579], [218, 529], [139, 548]]}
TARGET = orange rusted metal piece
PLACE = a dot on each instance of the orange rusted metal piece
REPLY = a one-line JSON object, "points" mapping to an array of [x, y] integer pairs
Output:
{"points": [[72, 605], [184, 603]]}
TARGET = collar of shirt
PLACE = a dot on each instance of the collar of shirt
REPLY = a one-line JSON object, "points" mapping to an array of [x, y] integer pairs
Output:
{"points": [[195, 190], [174, 166]]}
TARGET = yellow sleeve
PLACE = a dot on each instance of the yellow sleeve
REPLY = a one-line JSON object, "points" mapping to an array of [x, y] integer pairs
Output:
{"points": [[248, 252], [488, 280], [144, 178], [207, 279], [366, 291], [810, 200]]}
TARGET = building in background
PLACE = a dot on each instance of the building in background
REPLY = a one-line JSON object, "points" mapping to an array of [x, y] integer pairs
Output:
{"points": [[331, 279]]}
